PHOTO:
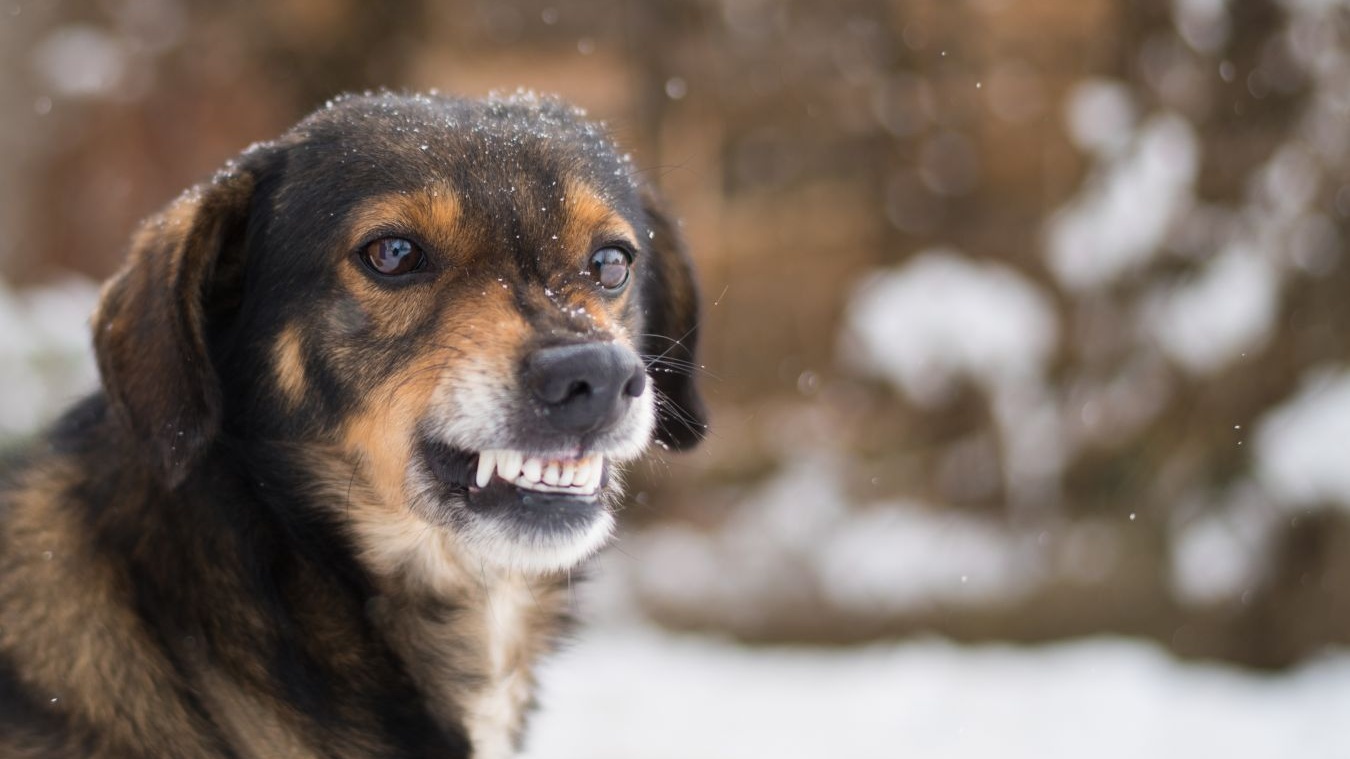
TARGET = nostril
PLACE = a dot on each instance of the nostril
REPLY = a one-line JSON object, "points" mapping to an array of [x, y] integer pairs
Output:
{"points": [[578, 389], [553, 389], [636, 385]]}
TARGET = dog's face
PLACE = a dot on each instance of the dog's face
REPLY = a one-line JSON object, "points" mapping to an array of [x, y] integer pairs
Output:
{"points": [[477, 304]]}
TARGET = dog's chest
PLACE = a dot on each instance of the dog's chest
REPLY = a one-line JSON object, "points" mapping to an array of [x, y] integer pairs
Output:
{"points": [[493, 715], [473, 660]]}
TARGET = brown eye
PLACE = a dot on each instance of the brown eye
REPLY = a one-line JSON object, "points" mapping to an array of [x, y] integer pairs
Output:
{"points": [[393, 256], [610, 267]]}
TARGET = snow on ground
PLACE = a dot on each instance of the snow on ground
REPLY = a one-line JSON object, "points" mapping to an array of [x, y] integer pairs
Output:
{"points": [[636, 693]]}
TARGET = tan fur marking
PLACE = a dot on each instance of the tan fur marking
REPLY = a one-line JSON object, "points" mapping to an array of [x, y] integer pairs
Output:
{"points": [[589, 215], [381, 439], [290, 365], [490, 334], [433, 213]]}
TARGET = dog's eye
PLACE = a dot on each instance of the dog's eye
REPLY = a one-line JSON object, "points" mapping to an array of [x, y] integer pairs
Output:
{"points": [[610, 267], [393, 256]]}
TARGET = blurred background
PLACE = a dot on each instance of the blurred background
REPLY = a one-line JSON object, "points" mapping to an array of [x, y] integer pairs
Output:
{"points": [[1025, 322]]}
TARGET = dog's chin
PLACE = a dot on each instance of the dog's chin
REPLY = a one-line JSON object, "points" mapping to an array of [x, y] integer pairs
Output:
{"points": [[534, 532], [518, 522]]}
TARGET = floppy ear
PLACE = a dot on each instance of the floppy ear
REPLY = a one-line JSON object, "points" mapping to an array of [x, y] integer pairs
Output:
{"points": [[671, 307], [151, 321]]}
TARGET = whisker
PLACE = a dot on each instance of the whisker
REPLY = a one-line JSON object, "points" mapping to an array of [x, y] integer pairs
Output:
{"points": [[530, 589], [678, 342], [356, 466], [679, 414], [679, 366]]}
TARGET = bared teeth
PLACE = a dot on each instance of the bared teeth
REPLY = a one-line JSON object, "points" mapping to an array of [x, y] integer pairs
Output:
{"points": [[532, 469], [563, 475], [508, 464], [594, 471], [487, 461]]}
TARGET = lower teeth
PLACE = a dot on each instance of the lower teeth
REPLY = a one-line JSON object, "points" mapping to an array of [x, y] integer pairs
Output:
{"points": [[544, 488]]}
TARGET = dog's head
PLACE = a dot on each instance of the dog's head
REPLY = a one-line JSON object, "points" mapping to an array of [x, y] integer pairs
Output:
{"points": [[478, 304]]}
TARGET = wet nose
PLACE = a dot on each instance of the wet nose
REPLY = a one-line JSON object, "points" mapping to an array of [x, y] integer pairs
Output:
{"points": [[584, 387]]}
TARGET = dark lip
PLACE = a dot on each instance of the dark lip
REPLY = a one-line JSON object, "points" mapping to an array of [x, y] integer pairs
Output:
{"points": [[528, 510], [452, 467]]}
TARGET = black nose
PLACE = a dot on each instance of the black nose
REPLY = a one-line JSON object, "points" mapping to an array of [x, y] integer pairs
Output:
{"points": [[584, 387]]}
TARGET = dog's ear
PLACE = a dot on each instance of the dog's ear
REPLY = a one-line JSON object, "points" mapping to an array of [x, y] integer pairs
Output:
{"points": [[150, 328], [671, 307]]}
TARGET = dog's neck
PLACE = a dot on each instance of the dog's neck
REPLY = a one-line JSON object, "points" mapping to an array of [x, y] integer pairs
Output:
{"points": [[469, 633]]}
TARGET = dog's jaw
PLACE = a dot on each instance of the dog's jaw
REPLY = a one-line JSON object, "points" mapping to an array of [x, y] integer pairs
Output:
{"points": [[501, 542]]}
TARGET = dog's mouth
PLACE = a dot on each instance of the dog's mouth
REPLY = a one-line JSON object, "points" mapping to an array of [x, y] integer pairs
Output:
{"points": [[532, 512], [472, 472]]}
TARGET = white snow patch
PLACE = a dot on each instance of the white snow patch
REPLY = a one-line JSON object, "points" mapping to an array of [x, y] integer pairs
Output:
{"points": [[1229, 310], [1033, 434], [942, 317], [765, 551], [1121, 219], [896, 557], [81, 60], [45, 358], [1225, 551], [1301, 453], [1100, 114], [797, 536], [636, 693], [1315, 8], [1203, 24], [1287, 184]]}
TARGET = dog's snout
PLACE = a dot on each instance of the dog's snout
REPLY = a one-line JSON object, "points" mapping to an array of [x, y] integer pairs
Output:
{"points": [[584, 387]]}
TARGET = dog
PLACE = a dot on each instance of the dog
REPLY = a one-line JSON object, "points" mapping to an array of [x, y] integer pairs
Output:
{"points": [[365, 397]]}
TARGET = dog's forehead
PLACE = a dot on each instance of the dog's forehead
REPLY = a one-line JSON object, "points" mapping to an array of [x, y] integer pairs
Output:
{"points": [[518, 145]]}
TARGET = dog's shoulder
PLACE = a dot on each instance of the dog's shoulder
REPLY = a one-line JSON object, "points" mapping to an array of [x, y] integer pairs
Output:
{"points": [[137, 620], [78, 666]]}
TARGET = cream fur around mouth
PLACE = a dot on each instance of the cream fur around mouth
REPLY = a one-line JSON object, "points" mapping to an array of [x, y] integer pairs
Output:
{"points": [[579, 477]]}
